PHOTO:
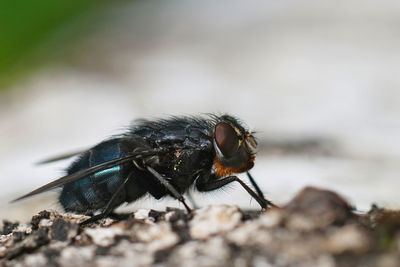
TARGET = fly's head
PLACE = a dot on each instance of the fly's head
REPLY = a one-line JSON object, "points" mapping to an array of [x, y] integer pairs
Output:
{"points": [[235, 147]]}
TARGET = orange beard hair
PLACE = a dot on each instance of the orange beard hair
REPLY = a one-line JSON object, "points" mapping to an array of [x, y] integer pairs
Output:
{"points": [[221, 170]]}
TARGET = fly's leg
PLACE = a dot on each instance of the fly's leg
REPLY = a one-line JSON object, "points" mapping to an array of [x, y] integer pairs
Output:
{"points": [[191, 200], [110, 205], [169, 186], [120, 216], [258, 190], [255, 185], [215, 184]]}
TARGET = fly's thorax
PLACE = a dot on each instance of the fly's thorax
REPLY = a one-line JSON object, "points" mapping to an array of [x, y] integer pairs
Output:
{"points": [[190, 161]]}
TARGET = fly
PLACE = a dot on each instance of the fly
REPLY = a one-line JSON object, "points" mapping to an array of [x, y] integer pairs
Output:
{"points": [[162, 157]]}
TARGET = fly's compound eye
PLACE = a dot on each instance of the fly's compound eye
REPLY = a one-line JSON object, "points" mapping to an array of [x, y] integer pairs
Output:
{"points": [[226, 139]]}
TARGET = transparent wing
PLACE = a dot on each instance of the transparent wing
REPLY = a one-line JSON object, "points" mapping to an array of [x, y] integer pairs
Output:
{"points": [[89, 171]]}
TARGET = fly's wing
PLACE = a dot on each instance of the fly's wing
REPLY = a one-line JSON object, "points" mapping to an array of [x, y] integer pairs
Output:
{"points": [[61, 157], [89, 171]]}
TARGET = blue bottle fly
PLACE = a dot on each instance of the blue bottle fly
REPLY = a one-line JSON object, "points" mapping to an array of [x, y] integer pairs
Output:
{"points": [[158, 157]]}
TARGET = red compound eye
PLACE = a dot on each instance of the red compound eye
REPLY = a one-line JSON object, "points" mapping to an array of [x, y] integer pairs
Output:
{"points": [[226, 139]]}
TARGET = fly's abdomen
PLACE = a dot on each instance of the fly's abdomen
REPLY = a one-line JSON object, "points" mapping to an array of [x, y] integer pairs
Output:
{"points": [[93, 192]]}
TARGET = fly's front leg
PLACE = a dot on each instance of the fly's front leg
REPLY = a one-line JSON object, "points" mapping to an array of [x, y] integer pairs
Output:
{"points": [[169, 187], [255, 185], [191, 200], [212, 184]]}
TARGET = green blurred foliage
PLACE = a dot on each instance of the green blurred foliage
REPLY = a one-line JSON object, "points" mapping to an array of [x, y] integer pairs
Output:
{"points": [[25, 25]]}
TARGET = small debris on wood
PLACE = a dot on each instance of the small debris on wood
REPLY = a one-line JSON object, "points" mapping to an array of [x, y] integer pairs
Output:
{"points": [[316, 228]]}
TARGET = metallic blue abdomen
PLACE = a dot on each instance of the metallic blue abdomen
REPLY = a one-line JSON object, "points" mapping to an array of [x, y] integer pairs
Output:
{"points": [[93, 192]]}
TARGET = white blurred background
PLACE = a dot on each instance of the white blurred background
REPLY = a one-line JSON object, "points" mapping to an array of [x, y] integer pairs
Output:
{"points": [[318, 80]]}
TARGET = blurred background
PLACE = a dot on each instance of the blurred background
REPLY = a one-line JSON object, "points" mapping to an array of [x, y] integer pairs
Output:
{"points": [[318, 80]]}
